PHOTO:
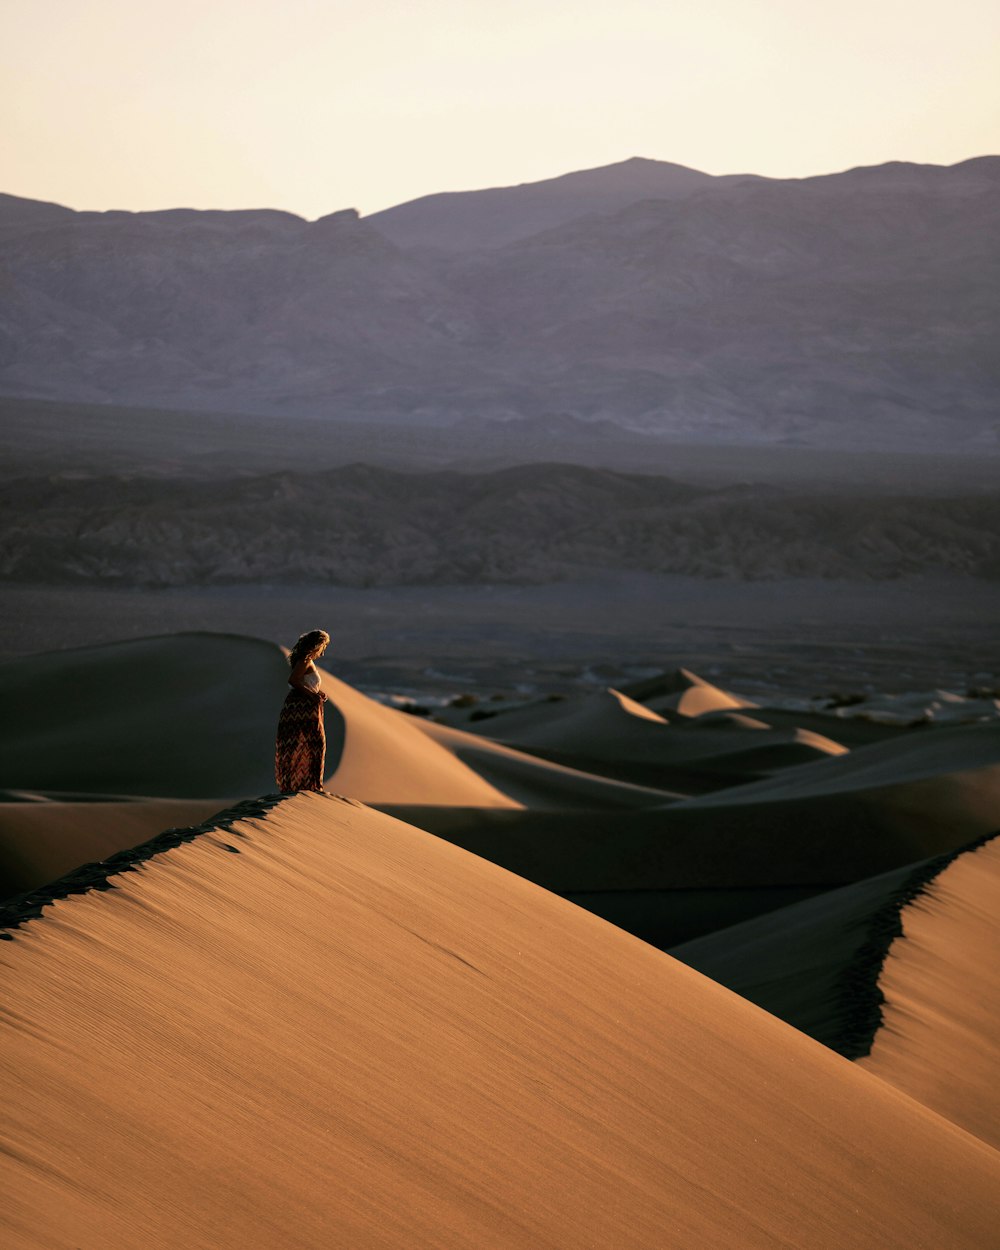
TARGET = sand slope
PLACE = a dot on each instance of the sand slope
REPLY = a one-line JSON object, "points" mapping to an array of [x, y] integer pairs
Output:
{"points": [[683, 693], [190, 715], [925, 755], [383, 756], [941, 982], [933, 789], [183, 716], [899, 972], [816, 964], [349, 1033], [41, 841], [609, 732]]}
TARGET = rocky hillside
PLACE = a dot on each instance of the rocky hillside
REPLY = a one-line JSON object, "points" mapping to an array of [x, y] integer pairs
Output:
{"points": [[362, 526], [861, 309], [465, 220]]}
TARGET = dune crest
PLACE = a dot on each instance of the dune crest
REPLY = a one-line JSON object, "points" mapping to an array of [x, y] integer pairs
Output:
{"points": [[192, 715], [684, 693], [40, 841], [941, 984], [820, 964], [591, 795], [388, 757], [320, 1026]]}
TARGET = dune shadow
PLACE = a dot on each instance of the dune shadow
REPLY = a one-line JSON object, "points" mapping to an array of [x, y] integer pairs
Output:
{"points": [[335, 727]]}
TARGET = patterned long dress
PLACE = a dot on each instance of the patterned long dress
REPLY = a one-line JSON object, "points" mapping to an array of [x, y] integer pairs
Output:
{"points": [[300, 747]]}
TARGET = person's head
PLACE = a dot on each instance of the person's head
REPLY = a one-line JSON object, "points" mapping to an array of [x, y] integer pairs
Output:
{"points": [[309, 647]]}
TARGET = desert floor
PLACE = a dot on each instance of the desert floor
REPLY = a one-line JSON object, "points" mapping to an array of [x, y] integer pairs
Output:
{"points": [[798, 637]]}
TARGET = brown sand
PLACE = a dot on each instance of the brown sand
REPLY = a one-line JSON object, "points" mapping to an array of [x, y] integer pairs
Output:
{"points": [[353, 1034], [930, 785], [184, 716], [377, 754], [685, 694], [389, 757], [924, 755], [815, 964], [941, 981], [42, 841], [608, 732], [192, 715]]}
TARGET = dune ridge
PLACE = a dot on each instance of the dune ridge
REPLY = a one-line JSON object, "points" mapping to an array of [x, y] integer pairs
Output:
{"points": [[593, 796], [43, 839], [819, 964], [203, 707], [376, 1039], [98, 874], [940, 991]]}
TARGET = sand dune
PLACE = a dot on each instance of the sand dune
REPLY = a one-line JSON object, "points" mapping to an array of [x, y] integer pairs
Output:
{"points": [[609, 732], [924, 793], [808, 828], [351, 1033], [675, 873], [684, 693], [190, 715], [585, 797], [898, 972], [850, 732], [815, 964], [388, 757], [41, 841], [573, 724], [941, 984], [182, 716], [923, 756]]}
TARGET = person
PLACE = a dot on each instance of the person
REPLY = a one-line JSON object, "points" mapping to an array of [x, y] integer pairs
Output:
{"points": [[300, 747]]}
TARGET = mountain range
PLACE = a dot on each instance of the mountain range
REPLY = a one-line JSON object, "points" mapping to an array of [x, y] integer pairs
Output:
{"points": [[361, 525], [859, 309]]}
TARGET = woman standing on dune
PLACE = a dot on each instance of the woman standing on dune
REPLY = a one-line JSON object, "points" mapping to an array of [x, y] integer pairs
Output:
{"points": [[300, 749]]}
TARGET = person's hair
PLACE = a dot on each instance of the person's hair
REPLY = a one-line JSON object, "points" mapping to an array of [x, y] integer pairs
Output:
{"points": [[307, 646]]}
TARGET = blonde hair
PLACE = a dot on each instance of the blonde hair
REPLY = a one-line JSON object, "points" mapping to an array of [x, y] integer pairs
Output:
{"points": [[307, 646]]}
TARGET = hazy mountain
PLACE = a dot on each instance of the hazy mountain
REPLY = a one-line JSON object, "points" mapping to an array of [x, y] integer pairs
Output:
{"points": [[361, 525], [460, 220], [857, 309]]}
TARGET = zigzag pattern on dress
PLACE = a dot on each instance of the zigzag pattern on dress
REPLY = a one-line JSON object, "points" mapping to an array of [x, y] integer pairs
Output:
{"points": [[300, 748]]}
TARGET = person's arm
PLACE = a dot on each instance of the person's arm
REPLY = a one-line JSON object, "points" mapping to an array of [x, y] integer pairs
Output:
{"points": [[297, 679]]}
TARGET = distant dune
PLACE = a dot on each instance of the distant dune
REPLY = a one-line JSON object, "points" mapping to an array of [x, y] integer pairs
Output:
{"points": [[182, 717], [317, 1022], [614, 733]]}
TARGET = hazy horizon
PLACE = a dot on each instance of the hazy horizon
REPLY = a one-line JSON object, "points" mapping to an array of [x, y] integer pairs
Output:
{"points": [[312, 107], [168, 207]]}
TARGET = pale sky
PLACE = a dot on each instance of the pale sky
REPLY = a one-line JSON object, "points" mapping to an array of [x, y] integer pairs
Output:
{"points": [[317, 105]]}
